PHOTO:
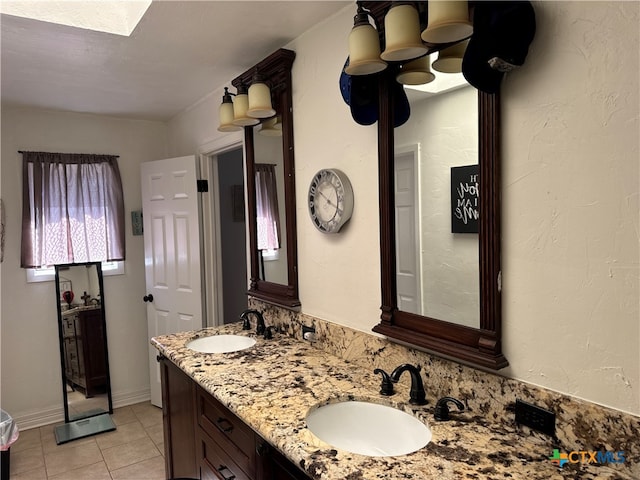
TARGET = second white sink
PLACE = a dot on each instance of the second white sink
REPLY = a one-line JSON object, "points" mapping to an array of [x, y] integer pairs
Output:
{"points": [[368, 428], [221, 344]]}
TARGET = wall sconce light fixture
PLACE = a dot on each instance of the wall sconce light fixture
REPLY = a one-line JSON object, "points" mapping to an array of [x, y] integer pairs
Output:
{"points": [[402, 34], [448, 23], [225, 113], [248, 108], [450, 59], [240, 107], [260, 99], [364, 46], [271, 127], [416, 72]]}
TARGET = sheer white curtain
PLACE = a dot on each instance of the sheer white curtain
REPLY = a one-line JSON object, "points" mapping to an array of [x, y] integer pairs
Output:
{"points": [[268, 217], [72, 209]]}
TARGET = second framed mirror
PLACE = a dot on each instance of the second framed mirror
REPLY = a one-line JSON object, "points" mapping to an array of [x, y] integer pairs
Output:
{"points": [[269, 158], [439, 210]]}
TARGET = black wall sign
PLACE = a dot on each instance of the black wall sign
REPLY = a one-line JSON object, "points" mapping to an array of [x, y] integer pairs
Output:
{"points": [[465, 207]]}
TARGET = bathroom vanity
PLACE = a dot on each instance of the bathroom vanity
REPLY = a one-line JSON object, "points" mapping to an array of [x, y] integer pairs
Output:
{"points": [[204, 439], [243, 414]]}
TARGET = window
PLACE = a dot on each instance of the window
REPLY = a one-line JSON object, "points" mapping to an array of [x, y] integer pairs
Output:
{"points": [[48, 274], [268, 218], [73, 209]]}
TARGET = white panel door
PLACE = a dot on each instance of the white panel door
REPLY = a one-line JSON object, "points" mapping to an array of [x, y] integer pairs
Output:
{"points": [[407, 243], [172, 253]]}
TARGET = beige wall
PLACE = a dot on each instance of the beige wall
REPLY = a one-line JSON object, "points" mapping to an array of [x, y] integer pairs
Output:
{"points": [[31, 389], [570, 197]]}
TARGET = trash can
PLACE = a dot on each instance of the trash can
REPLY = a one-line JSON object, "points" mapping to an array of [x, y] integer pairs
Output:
{"points": [[8, 436]]}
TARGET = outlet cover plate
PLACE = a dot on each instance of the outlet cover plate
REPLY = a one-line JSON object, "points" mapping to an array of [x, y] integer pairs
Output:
{"points": [[536, 417]]}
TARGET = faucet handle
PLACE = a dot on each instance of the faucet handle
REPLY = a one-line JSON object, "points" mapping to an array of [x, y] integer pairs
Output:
{"points": [[442, 408], [268, 332], [244, 316], [386, 387]]}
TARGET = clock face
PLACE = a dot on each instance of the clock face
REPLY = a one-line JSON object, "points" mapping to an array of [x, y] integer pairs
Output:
{"points": [[330, 200]]}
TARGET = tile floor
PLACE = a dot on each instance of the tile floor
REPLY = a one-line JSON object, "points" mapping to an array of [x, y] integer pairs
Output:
{"points": [[132, 452]]}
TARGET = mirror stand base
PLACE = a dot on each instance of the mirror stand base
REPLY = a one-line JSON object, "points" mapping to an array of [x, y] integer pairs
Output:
{"points": [[84, 428]]}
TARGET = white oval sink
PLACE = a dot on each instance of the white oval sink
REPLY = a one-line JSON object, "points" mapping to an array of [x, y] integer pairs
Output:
{"points": [[221, 344], [368, 428]]}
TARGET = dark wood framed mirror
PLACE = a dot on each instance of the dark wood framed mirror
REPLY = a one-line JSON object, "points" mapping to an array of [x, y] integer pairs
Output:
{"points": [[280, 288], [84, 356], [479, 344]]}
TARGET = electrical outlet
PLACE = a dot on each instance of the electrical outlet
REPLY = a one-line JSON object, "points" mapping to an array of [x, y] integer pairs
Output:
{"points": [[536, 417], [308, 333]]}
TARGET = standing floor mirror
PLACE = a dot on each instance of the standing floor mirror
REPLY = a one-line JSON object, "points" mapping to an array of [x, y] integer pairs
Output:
{"points": [[84, 358]]}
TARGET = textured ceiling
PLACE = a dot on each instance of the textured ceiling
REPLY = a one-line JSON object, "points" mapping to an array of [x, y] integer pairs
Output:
{"points": [[179, 52]]}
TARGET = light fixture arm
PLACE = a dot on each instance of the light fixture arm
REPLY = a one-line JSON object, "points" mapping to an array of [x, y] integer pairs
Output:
{"points": [[226, 97], [362, 16]]}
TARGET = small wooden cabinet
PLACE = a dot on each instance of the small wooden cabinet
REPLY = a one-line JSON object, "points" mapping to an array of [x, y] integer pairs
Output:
{"points": [[204, 439], [84, 351]]}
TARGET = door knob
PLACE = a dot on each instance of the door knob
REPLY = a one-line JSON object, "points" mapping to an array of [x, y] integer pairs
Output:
{"points": [[148, 298]]}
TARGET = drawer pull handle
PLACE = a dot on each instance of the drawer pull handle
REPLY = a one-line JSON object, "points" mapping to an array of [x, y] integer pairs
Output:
{"points": [[225, 425], [230, 476], [262, 449]]}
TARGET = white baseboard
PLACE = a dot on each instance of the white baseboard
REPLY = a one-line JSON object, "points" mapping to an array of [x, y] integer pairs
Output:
{"points": [[39, 418], [29, 420], [123, 399]]}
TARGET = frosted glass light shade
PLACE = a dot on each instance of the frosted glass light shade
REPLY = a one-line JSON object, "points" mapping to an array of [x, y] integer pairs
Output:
{"points": [[260, 101], [225, 113], [448, 21], [270, 128], [450, 59], [240, 107], [402, 34], [364, 51], [416, 72]]}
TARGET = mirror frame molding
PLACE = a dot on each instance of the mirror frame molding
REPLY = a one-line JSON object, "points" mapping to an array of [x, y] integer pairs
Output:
{"points": [[478, 346], [276, 70]]}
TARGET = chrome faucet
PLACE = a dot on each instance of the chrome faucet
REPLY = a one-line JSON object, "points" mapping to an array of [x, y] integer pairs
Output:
{"points": [[417, 395], [260, 325]]}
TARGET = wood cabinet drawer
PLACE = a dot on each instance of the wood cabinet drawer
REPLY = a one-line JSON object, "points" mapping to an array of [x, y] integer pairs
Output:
{"points": [[215, 463], [228, 431], [68, 328]]}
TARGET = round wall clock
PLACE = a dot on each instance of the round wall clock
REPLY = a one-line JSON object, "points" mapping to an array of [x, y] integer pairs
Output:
{"points": [[330, 200]]}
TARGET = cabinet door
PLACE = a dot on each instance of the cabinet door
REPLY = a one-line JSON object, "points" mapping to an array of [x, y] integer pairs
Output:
{"points": [[178, 413], [275, 466]]}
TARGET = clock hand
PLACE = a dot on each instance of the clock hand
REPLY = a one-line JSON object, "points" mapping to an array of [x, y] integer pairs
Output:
{"points": [[326, 198]]}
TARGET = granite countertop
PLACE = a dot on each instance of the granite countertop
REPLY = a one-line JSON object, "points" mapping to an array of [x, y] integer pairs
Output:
{"points": [[272, 386]]}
